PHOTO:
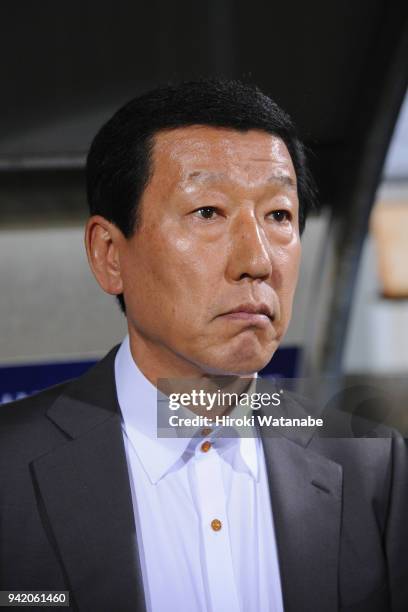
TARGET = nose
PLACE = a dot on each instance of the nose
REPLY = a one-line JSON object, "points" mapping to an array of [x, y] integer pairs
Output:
{"points": [[250, 250]]}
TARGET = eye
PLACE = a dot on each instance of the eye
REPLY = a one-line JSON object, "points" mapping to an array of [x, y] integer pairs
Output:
{"points": [[206, 212], [281, 215]]}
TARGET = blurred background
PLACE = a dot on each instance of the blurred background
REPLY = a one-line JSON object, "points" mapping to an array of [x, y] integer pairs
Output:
{"points": [[339, 68]]}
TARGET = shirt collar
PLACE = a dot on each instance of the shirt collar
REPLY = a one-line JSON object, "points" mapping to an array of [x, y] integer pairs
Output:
{"points": [[137, 398], [248, 445]]}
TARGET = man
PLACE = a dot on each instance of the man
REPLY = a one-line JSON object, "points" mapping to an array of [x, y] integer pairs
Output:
{"points": [[198, 196]]}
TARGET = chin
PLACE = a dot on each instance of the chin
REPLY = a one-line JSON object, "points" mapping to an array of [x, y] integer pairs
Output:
{"points": [[248, 367], [251, 357], [242, 362]]}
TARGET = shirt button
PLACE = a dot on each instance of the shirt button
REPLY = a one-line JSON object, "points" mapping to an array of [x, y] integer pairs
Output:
{"points": [[205, 447], [216, 524]]}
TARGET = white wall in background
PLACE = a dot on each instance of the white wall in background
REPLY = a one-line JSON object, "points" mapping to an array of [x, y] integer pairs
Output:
{"points": [[51, 306]]}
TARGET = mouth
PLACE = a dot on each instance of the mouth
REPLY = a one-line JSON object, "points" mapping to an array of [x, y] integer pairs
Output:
{"points": [[254, 314]]}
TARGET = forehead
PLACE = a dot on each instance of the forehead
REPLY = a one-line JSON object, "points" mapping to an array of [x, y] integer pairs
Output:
{"points": [[198, 153]]}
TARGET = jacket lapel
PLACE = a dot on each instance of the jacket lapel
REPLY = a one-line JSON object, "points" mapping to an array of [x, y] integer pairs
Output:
{"points": [[306, 500], [85, 493]]}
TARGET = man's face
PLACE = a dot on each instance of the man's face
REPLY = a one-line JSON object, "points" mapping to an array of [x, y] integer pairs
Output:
{"points": [[210, 273]]}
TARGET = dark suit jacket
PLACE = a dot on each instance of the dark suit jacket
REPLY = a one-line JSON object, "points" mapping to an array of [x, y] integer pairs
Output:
{"points": [[66, 518]]}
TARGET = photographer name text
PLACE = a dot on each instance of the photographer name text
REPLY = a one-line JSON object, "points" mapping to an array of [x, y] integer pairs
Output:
{"points": [[246, 421]]}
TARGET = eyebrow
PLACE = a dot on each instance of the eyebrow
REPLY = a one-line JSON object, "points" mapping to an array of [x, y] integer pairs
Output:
{"points": [[210, 177], [284, 179]]}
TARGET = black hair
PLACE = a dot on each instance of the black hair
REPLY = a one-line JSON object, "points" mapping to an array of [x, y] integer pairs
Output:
{"points": [[119, 161]]}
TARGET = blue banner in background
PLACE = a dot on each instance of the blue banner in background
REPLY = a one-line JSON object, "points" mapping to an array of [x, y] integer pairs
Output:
{"points": [[284, 363], [20, 381]]}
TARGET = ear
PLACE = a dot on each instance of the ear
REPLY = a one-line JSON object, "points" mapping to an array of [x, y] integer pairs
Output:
{"points": [[102, 242]]}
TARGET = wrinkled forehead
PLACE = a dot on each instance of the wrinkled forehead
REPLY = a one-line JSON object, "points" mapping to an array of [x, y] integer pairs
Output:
{"points": [[205, 155]]}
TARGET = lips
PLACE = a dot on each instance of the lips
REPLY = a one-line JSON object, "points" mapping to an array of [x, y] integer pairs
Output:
{"points": [[251, 309]]}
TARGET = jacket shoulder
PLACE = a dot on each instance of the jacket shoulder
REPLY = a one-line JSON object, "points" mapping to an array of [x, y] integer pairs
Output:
{"points": [[28, 427], [25, 430], [31, 407]]}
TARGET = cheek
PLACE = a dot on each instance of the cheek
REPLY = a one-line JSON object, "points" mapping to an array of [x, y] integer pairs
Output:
{"points": [[286, 275], [291, 258], [294, 266], [175, 273]]}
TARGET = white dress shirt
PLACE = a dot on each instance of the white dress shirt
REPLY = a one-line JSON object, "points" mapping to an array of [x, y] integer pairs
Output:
{"points": [[203, 517]]}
